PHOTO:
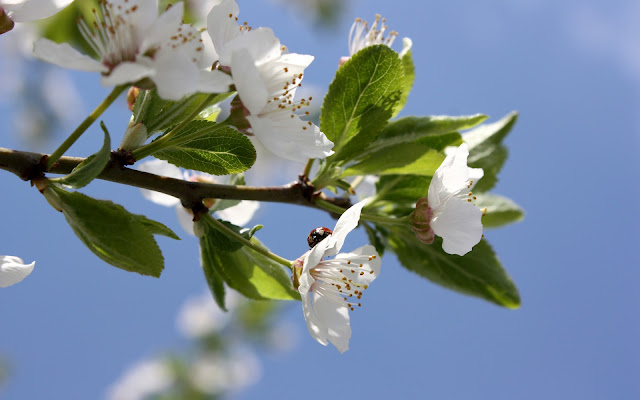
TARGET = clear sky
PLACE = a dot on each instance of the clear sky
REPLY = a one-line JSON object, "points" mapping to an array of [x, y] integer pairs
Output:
{"points": [[572, 70]]}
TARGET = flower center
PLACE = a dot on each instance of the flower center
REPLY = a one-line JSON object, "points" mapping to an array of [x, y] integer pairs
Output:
{"points": [[361, 35], [112, 38], [341, 280]]}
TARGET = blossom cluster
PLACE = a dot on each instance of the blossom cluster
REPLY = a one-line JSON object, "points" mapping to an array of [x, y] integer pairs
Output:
{"points": [[135, 45]]}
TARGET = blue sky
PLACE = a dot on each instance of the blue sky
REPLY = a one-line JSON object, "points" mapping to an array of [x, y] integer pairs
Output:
{"points": [[572, 70]]}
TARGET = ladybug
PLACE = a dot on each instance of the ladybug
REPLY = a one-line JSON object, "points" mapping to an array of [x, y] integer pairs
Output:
{"points": [[318, 235]]}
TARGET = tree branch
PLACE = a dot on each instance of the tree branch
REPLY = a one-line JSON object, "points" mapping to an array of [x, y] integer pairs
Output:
{"points": [[29, 166]]}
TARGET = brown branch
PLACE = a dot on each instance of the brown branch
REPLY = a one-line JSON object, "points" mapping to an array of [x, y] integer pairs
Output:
{"points": [[29, 166]]}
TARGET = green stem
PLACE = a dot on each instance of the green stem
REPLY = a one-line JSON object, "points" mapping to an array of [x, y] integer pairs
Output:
{"points": [[262, 250], [307, 168], [55, 156], [163, 141], [367, 217]]}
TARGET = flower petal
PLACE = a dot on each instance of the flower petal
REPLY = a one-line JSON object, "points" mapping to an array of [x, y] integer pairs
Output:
{"points": [[213, 82], [261, 43], [316, 329], [223, 28], [246, 76], [127, 72], [241, 213], [13, 270], [284, 135], [185, 218], [459, 224], [65, 56], [346, 223], [333, 318], [35, 9], [164, 27], [160, 167]]}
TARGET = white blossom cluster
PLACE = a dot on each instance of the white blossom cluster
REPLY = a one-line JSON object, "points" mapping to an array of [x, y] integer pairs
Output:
{"points": [[136, 45]]}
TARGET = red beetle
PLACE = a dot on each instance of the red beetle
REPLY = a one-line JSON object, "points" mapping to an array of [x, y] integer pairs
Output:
{"points": [[318, 235]]}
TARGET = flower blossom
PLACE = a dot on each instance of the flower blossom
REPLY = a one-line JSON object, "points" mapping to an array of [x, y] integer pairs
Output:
{"points": [[362, 35], [239, 214], [136, 46], [330, 288], [449, 211], [13, 270], [27, 10], [266, 77]]}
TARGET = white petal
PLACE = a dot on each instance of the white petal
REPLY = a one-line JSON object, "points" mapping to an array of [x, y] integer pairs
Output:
{"points": [[456, 174], [160, 167], [241, 213], [311, 259], [127, 72], [142, 19], [459, 224], [65, 56], [223, 28], [163, 28], [246, 76], [406, 46], [284, 135], [317, 331], [213, 82], [13, 270], [35, 9], [175, 75], [333, 317], [346, 223], [185, 218], [261, 43]]}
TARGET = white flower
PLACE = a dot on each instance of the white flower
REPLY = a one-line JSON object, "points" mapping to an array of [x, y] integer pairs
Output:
{"points": [[266, 77], [142, 380], [361, 36], [329, 288], [240, 214], [453, 215], [134, 45], [200, 316], [31, 10], [13, 270], [219, 373]]}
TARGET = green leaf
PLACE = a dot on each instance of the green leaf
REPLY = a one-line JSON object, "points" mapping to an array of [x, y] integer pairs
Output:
{"points": [[500, 210], [411, 129], [421, 157], [361, 99], [411, 145], [486, 150], [112, 233], [397, 194], [90, 168], [156, 227], [409, 77], [243, 269], [158, 114], [211, 272], [478, 273], [216, 150]]}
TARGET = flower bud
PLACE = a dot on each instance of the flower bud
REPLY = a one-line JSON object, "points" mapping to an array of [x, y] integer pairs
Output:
{"points": [[132, 96], [134, 137], [421, 220]]}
